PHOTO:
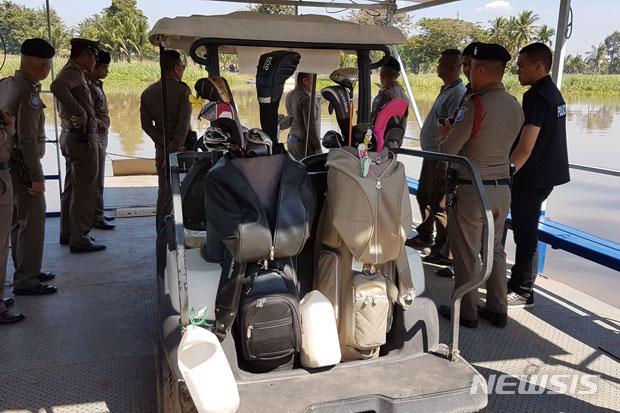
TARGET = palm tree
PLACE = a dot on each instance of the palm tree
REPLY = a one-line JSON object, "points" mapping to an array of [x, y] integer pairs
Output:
{"points": [[596, 58], [522, 29], [545, 35], [498, 32], [60, 36]]}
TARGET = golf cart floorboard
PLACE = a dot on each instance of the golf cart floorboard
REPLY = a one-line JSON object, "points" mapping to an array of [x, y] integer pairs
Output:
{"points": [[428, 382]]}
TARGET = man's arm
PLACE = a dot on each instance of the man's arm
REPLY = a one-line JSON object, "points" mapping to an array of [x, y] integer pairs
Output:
{"points": [[61, 88], [527, 141], [459, 133], [535, 112], [185, 115], [312, 121], [28, 122], [146, 120], [7, 127]]}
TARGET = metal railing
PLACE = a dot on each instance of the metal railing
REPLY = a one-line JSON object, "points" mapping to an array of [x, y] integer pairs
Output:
{"points": [[487, 237]]}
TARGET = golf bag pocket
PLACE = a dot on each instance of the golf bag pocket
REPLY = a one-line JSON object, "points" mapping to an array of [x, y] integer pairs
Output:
{"points": [[269, 323], [369, 312], [327, 278]]}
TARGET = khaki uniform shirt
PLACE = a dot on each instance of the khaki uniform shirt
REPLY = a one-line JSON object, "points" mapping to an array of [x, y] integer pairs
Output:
{"points": [[100, 103], [297, 104], [501, 122], [73, 94], [178, 111], [19, 96]]}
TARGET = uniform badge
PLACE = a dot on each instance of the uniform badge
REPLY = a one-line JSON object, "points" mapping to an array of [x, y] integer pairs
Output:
{"points": [[460, 114], [35, 101]]}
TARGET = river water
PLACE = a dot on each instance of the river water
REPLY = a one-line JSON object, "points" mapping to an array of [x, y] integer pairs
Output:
{"points": [[589, 202]]}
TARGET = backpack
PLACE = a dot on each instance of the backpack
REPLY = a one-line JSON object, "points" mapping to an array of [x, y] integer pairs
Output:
{"points": [[269, 323]]}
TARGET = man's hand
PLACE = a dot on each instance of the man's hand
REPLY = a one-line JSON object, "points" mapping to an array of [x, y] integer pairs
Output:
{"points": [[79, 122], [181, 149], [37, 189], [7, 118]]}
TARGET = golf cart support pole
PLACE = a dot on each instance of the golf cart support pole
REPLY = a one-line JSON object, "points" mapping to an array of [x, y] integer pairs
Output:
{"points": [[311, 114], [390, 14], [174, 187], [487, 238], [564, 30], [363, 66]]}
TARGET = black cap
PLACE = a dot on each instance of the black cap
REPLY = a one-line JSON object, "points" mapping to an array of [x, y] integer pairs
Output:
{"points": [[392, 63], [103, 57], [491, 51], [37, 48], [469, 49], [91, 45]]}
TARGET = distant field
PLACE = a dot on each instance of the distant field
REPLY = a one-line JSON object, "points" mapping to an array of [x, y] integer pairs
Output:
{"points": [[133, 77]]}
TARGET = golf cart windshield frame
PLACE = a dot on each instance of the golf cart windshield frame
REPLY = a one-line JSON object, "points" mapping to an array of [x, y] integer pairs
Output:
{"points": [[364, 64]]}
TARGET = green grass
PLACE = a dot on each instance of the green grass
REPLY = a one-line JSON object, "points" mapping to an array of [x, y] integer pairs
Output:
{"points": [[131, 78], [571, 84]]}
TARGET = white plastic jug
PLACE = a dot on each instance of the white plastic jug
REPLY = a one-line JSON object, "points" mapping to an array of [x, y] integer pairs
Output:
{"points": [[319, 340], [206, 371]]}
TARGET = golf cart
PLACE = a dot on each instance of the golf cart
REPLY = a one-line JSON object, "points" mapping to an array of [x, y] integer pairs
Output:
{"points": [[413, 371]]}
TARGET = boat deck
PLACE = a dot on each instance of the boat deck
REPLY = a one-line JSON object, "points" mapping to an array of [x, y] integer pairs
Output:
{"points": [[91, 347]]}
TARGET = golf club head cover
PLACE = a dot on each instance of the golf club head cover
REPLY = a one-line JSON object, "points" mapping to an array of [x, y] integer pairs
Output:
{"points": [[214, 89], [272, 71], [339, 102]]}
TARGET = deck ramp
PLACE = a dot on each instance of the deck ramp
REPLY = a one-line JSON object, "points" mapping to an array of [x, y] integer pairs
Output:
{"points": [[91, 347]]}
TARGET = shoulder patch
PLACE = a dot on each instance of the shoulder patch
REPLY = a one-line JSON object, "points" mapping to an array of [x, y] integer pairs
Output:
{"points": [[35, 101], [460, 114]]}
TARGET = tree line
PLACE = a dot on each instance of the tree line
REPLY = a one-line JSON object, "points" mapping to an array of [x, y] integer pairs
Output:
{"points": [[122, 29]]}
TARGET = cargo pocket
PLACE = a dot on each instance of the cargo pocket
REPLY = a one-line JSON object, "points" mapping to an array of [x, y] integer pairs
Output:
{"points": [[370, 310], [327, 278]]}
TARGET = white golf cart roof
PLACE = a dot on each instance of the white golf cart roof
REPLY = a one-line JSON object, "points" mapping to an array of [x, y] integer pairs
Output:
{"points": [[181, 32], [266, 31]]}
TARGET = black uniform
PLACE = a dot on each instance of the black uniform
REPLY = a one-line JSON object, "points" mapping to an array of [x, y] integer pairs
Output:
{"points": [[546, 167]]}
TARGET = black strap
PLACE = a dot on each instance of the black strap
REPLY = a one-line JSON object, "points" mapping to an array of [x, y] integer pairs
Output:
{"points": [[4, 165], [495, 182]]}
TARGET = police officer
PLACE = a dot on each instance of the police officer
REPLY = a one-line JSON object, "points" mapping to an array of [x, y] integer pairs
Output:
{"points": [[178, 114], [95, 83], [432, 186], [541, 161], [390, 89], [79, 143], [484, 131], [298, 107], [7, 130], [19, 95]]}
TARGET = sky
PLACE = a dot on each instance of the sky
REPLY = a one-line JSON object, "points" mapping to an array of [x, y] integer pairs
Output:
{"points": [[593, 19]]}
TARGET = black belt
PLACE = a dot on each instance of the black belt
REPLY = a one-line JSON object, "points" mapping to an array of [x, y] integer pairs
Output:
{"points": [[4, 165], [495, 182]]}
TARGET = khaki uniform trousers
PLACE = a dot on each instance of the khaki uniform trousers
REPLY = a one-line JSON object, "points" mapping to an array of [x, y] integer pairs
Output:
{"points": [[465, 234], [103, 146], [27, 234], [431, 197], [164, 192], [77, 201], [6, 211]]}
